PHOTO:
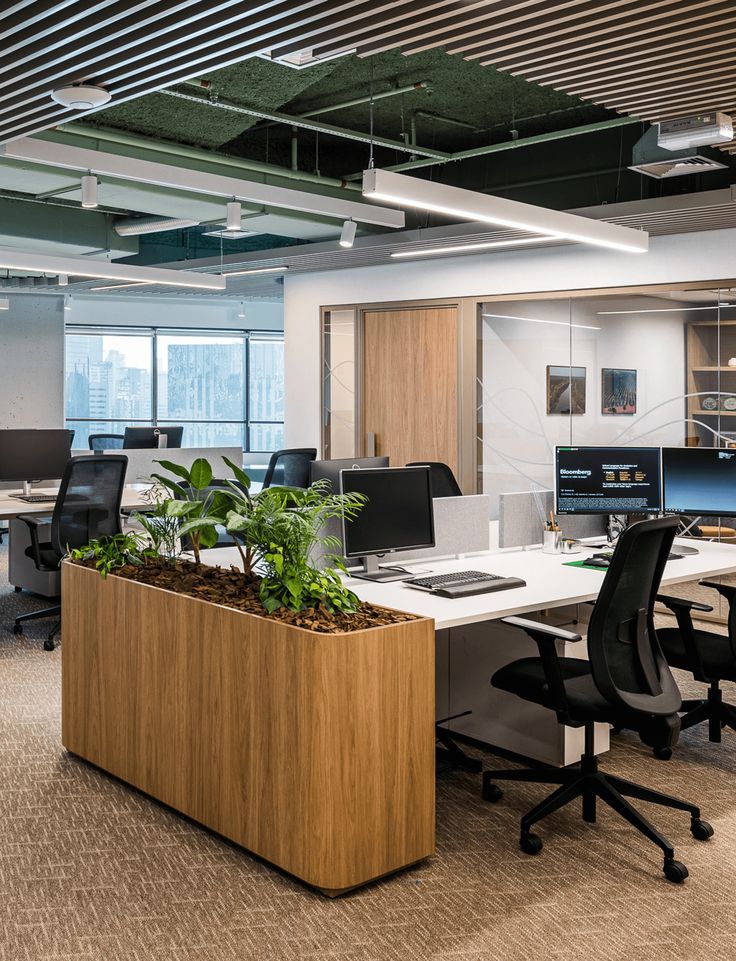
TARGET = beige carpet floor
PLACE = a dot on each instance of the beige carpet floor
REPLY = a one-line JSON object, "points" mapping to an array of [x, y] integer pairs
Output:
{"points": [[92, 871]]}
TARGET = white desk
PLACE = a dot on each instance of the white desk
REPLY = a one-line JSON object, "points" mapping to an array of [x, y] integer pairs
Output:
{"points": [[472, 644], [11, 507]]}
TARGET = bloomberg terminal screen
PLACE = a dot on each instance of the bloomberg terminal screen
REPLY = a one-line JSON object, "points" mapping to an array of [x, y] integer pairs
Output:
{"points": [[607, 480]]}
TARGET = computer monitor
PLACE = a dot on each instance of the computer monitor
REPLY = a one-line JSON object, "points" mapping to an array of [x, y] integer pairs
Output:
{"points": [[397, 516], [607, 480], [699, 480], [145, 438], [34, 455], [330, 470]]}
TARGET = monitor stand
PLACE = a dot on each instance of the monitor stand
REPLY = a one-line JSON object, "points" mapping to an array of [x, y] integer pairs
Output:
{"points": [[27, 488], [372, 572]]}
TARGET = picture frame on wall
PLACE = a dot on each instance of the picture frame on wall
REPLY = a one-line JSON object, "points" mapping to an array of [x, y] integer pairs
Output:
{"points": [[618, 391], [566, 390]]}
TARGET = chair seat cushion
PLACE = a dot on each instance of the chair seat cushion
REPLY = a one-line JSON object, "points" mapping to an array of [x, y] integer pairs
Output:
{"points": [[715, 652], [49, 557], [526, 679]]}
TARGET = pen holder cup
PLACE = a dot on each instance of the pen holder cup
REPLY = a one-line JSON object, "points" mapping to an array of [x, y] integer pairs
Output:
{"points": [[552, 542]]}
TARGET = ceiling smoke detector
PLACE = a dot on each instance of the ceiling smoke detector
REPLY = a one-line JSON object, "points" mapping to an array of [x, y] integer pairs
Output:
{"points": [[81, 96]]}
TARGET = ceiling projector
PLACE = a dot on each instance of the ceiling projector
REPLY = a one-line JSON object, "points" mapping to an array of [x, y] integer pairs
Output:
{"points": [[700, 131]]}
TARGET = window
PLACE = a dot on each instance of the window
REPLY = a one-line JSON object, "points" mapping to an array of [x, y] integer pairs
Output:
{"points": [[226, 388]]}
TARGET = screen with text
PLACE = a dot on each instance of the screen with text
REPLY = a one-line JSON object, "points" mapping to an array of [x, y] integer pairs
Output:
{"points": [[607, 480]]}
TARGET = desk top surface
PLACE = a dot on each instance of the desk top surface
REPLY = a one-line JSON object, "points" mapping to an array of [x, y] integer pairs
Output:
{"points": [[11, 507], [550, 582]]}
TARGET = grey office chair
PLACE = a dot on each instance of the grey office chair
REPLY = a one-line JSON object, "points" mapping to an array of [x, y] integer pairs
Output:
{"points": [[443, 480], [100, 442], [87, 508], [626, 683], [289, 468]]}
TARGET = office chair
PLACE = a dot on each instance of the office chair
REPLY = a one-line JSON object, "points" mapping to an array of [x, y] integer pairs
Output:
{"points": [[87, 508], [100, 442], [443, 480], [626, 683], [709, 657], [289, 468]]}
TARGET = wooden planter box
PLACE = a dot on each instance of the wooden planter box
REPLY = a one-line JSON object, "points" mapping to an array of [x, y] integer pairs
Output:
{"points": [[314, 751]]}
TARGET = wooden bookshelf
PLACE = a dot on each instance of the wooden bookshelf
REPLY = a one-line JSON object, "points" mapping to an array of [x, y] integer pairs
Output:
{"points": [[709, 346]]}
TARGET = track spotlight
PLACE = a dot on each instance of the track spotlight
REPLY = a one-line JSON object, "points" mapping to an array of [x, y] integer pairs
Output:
{"points": [[63, 280], [89, 191], [347, 237]]}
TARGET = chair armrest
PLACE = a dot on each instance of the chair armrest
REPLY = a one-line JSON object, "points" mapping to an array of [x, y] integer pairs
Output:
{"points": [[725, 590], [547, 631], [33, 522], [546, 637], [683, 604]]}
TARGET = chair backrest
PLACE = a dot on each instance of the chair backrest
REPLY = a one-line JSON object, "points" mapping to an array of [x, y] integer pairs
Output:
{"points": [[290, 468], [626, 660], [88, 505], [98, 442], [443, 480]]}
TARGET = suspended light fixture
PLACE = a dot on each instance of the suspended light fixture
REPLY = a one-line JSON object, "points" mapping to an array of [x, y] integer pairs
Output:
{"points": [[67, 303], [256, 270], [469, 205], [63, 280], [89, 191], [347, 237], [234, 216], [469, 248]]}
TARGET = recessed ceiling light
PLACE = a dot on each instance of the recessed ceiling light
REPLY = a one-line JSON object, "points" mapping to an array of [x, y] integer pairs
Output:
{"points": [[81, 96]]}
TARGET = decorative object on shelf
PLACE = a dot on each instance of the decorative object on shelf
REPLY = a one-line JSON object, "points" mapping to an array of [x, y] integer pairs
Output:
{"points": [[728, 402], [710, 402], [732, 361], [566, 390], [618, 391]]}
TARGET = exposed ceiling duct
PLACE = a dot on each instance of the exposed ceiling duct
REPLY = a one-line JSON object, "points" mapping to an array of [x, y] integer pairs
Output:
{"points": [[653, 160]]}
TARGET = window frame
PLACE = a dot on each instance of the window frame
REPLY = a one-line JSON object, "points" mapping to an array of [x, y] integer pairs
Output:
{"points": [[246, 336]]}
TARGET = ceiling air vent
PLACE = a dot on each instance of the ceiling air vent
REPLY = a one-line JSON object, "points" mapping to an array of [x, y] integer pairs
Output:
{"points": [[300, 59], [652, 160]]}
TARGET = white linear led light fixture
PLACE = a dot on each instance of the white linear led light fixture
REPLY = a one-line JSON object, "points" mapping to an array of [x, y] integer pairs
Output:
{"points": [[465, 248], [469, 205], [89, 191], [658, 310], [536, 320], [347, 236], [144, 283], [255, 270], [30, 261]]}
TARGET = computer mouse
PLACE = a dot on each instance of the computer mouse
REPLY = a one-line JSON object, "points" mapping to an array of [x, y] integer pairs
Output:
{"points": [[597, 562]]}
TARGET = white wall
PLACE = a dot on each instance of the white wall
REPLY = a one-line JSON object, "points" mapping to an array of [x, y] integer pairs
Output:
{"points": [[706, 256], [182, 312], [32, 362]]}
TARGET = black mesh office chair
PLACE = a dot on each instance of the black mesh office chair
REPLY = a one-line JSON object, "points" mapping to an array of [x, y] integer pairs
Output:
{"points": [[289, 468], [87, 508], [100, 442], [443, 480], [626, 683], [709, 657]]}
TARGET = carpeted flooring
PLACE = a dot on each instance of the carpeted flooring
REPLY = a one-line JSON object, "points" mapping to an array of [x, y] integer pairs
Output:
{"points": [[92, 871]]}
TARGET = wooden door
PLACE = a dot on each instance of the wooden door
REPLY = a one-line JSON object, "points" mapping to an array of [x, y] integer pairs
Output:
{"points": [[410, 384]]}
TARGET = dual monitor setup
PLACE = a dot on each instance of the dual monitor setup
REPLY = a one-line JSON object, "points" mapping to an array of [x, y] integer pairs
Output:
{"points": [[694, 481]]}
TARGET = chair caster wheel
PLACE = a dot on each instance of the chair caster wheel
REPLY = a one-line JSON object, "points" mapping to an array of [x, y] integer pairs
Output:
{"points": [[491, 792], [49, 645], [17, 629], [701, 830], [530, 843], [675, 871], [17, 589], [662, 753]]}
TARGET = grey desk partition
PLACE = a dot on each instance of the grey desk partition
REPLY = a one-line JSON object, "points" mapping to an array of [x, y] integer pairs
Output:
{"points": [[461, 526], [142, 463], [519, 523]]}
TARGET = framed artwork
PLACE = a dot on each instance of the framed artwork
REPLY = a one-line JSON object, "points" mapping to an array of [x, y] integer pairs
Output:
{"points": [[618, 391], [565, 390]]}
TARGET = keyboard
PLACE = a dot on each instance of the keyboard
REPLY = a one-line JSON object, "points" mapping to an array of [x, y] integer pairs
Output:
{"points": [[465, 583], [35, 498]]}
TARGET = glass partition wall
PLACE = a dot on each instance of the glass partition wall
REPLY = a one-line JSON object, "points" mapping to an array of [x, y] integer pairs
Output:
{"points": [[620, 370]]}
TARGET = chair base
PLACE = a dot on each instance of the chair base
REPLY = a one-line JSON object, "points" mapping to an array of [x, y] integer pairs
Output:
{"points": [[54, 611], [451, 756], [589, 784], [712, 709]]}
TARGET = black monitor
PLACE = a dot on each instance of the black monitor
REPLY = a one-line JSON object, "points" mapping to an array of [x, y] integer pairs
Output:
{"points": [[397, 516], [699, 480], [330, 470], [149, 438], [607, 480], [34, 455]]}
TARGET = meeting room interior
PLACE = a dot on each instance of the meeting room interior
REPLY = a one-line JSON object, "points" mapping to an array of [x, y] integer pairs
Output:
{"points": [[367, 480]]}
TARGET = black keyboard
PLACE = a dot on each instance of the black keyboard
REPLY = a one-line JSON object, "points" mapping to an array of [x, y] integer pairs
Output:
{"points": [[465, 583], [35, 498]]}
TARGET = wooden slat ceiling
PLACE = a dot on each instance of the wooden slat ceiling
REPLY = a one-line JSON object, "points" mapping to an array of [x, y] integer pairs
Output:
{"points": [[654, 59]]}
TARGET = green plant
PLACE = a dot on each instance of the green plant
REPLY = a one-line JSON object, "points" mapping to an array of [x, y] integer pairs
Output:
{"points": [[114, 551], [160, 526], [281, 528], [197, 506]]}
